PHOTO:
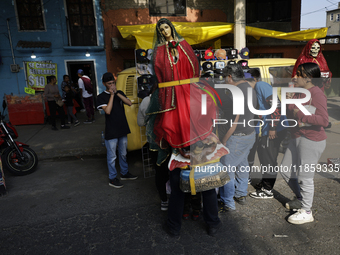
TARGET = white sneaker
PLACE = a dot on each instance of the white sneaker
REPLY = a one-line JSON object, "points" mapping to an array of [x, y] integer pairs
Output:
{"points": [[262, 194], [164, 205], [301, 217]]}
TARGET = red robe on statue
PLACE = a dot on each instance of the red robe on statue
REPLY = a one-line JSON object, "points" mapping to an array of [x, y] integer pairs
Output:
{"points": [[180, 122], [305, 57]]}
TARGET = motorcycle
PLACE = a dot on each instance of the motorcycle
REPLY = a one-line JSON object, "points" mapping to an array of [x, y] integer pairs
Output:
{"points": [[16, 156]]}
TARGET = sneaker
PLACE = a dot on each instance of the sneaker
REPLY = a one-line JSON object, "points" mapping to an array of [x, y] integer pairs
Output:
{"points": [[128, 176], [116, 183], [262, 194], [195, 216], [69, 122], [294, 204], [212, 231], [224, 209], [301, 217], [64, 127], [249, 181], [170, 232], [185, 216], [164, 205], [240, 200], [76, 123], [88, 122], [54, 128], [82, 110]]}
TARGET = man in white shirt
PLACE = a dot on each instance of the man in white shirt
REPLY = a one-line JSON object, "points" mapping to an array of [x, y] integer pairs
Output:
{"points": [[84, 83]]}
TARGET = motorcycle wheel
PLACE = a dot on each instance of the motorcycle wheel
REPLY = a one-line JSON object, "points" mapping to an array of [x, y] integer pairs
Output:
{"points": [[12, 164]]}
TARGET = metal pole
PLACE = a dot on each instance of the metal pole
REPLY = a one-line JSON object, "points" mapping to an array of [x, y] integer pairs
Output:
{"points": [[10, 41], [240, 24]]}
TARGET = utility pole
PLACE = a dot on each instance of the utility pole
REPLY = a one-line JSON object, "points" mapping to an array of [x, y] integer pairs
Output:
{"points": [[240, 24]]}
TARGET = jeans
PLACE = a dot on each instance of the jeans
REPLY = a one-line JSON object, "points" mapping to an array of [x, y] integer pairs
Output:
{"points": [[70, 114], [111, 146], [298, 167], [237, 167]]}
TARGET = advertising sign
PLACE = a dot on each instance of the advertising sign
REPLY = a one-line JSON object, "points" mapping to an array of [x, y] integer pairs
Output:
{"points": [[37, 73]]}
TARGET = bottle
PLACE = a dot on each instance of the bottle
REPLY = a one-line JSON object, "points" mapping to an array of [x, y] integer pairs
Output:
{"points": [[103, 138]]}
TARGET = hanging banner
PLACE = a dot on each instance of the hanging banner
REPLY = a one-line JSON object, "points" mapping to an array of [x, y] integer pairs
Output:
{"points": [[218, 44], [199, 32], [37, 73]]}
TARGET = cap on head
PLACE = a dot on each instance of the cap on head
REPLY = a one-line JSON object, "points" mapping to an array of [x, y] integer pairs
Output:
{"points": [[108, 77], [80, 71], [248, 76]]}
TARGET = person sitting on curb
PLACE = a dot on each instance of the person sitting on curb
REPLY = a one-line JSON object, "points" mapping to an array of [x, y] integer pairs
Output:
{"points": [[116, 129]]}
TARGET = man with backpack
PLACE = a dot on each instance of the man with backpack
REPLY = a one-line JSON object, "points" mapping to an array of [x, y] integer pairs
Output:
{"points": [[85, 85]]}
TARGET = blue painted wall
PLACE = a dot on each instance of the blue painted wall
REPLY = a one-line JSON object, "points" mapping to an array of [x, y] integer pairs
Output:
{"points": [[56, 33]]}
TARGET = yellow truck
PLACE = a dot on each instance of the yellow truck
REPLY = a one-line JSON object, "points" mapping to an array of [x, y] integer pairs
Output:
{"points": [[276, 71]]}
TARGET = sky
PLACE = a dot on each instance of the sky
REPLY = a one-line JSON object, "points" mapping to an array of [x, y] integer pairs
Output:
{"points": [[313, 12]]}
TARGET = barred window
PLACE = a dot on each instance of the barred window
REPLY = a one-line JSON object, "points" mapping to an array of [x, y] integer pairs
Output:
{"points": [[268, 11], [30, 15], [81, 23], [167, 7]]}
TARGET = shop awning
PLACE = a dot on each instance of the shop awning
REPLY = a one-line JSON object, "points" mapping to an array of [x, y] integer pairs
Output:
{"points": [[199, 32]]}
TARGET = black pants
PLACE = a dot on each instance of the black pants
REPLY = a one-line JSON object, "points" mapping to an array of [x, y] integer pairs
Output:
{"points": [[268, 150], [176, 204], [52, 105], [252, 152], [192, 202], [161, 176]]}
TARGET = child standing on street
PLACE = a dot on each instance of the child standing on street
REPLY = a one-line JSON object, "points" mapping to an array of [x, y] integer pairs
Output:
{"points": [[116, 129], [69, 105]]}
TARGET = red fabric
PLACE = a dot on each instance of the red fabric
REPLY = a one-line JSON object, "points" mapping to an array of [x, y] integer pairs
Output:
{"points": [[305, 57], [87, 85], [319, 120], [182, 123]]}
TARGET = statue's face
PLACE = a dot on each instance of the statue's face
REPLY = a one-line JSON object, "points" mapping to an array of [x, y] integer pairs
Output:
{"points": [[314, 51], [166, 31]]}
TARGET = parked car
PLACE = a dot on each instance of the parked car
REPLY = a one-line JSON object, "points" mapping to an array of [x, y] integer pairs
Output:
{"points": [[276, 71]]}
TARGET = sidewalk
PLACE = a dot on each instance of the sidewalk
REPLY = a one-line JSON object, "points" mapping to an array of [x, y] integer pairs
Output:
{"points": [[85, 140]]}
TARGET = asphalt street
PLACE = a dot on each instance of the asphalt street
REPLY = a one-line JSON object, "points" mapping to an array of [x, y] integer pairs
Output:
{"points": [[67, 207]]}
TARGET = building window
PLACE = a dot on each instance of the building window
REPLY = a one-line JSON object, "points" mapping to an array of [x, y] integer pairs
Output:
{"points": [[331, 17], [338, 17], [30, 15], [275, 11], [81, 23], [167, 7]]}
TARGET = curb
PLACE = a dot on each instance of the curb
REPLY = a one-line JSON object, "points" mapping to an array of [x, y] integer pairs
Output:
{"points": [[71, 153]]}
